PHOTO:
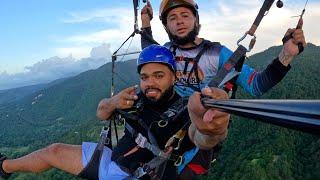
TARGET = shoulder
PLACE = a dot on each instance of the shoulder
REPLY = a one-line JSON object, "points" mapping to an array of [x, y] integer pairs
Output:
{"points": [[225, 51], [213, 47], [167, 45]]}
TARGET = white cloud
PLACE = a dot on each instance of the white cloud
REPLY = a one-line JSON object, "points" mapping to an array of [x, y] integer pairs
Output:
{"points": [[77, 51], [119, 20], [101, 15], [102, 51], [55, 68], [95, 37]]}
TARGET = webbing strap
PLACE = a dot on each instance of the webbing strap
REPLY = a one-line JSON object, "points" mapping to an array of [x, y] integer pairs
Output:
{"points": [[175, 110], [187, 157], [149, 168], [109, 144], [91, 171], [141, 123], [194, 68], [228, 67], [142, 141]]}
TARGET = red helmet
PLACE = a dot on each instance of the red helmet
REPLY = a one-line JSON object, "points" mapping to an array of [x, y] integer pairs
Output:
{"points": [[167, 5]]}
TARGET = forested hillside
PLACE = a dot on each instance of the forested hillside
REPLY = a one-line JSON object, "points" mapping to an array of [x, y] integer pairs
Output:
{"points": [[255, 150], [46, 115], [65, 112]]}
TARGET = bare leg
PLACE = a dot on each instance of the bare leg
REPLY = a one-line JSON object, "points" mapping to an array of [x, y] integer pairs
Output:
{"points": [[62, 156]]}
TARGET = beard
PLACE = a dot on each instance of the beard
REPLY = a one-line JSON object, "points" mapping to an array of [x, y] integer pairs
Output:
{"points": [[189, 38], [165, 97]]}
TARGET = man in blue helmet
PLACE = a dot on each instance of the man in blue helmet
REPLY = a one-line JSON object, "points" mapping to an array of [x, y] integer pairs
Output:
{"points": [[147, 149]]}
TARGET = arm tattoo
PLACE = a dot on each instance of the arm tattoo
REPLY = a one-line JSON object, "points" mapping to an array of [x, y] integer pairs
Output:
{"points": [[285, 58]]}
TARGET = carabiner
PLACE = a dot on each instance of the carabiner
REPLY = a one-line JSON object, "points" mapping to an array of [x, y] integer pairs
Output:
{"points": [[252, 42], [179, 161]]}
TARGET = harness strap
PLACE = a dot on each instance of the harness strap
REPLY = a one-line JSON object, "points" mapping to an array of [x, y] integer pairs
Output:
{"points": [[151, 167], [108, 129], [234, 86], [174, 111], [115, 131], [91, 171], [142, 141], [194, 68], [156, 167], [228, 67], [186, 63], [141, 123], [188, 156]]}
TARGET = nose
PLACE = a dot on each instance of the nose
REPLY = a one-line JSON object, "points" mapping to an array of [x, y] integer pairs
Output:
{"points": [[149, 82], [179, 20]]}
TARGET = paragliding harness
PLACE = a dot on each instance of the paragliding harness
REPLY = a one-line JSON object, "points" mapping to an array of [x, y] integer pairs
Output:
{"points": [[156, 167]]}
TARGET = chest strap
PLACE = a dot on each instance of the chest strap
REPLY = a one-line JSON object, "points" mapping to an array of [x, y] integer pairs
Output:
{"points": [[206, 46]]}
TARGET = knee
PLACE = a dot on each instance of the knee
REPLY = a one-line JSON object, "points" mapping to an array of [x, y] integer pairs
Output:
{"points": [[54, 149]]}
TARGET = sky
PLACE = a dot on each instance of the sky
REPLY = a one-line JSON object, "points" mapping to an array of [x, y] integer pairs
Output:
{"points": [[42, 40]]}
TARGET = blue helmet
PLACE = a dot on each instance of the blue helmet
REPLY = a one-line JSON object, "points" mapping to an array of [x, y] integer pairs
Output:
{"points": [[156, 54]]}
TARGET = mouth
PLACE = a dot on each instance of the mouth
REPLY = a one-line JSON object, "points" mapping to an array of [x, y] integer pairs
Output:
{"points": [[181, 30], [152, 92]]}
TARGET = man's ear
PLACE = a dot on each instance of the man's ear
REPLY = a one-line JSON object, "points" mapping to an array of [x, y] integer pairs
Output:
{"points": [[175, 79], [165, 28]]}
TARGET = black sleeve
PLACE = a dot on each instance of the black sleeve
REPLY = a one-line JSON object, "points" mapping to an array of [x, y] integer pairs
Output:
{"points": [[146, 37], [272, 75]]}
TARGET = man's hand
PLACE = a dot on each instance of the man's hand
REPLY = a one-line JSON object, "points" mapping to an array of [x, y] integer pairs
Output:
{"points": [[123, 100], [290, 48], [146, 15], [209, 126]]}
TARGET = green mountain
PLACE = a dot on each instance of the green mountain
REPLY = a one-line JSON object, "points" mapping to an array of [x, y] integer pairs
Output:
{"points": [[65, 112], [51, 112], [15, 94], [10, 95]]}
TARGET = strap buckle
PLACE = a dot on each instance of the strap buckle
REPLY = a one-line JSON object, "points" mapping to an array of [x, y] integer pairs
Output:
{"points": [[120, 120], [141, 141], [104, 134], [139, 172]]}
